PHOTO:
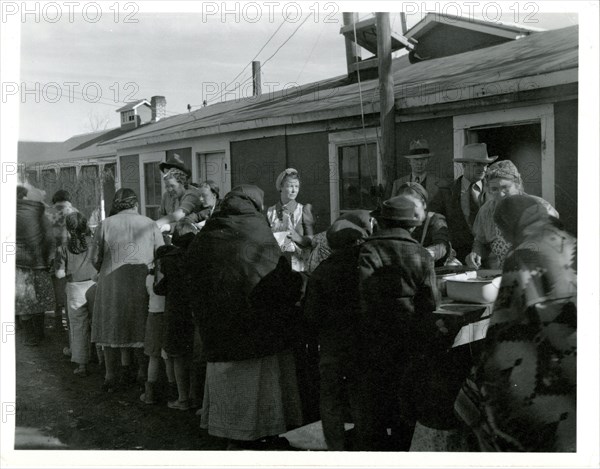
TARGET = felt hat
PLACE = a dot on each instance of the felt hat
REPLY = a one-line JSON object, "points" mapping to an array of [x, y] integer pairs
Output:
{"points": [[174, 162], [416, 188], [418, 149], [404, 208], [475, 153], [349, 228]]}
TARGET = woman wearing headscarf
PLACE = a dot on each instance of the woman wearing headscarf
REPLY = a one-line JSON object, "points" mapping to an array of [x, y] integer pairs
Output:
{"points": [[123, 248], [291, 222], [490, 247], [57, 214], [249, 293], [522, 395]]}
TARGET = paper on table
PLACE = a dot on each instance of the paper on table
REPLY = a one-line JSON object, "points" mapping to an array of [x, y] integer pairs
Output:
{"points": [[472, 332]]}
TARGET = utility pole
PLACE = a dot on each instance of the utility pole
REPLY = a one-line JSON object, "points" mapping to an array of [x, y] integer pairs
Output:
{"points": [[256, 85], [386, 100], [352, 54]]}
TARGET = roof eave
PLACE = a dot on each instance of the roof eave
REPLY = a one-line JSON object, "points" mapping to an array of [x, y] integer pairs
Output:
{"points": [[512, 86]]}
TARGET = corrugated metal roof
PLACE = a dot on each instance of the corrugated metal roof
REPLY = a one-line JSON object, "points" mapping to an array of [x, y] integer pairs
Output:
{"points": [[454, 78], [38, 151]]}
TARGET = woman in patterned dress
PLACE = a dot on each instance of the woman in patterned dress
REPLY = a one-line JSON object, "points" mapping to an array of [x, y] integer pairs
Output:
{"points": [[490, 247], [522, 393]]}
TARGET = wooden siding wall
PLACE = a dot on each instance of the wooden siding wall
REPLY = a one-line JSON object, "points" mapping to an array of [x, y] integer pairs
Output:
{"points": [[259, 161], [184, 153], [130, 174], [439, 134], [566, 164], [309, 154]]}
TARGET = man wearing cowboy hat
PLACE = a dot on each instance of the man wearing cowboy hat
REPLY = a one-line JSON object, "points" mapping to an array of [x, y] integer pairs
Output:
{"points": [[418, 157], [174, 162], [460, 202], [398, 295], [174, 206]]}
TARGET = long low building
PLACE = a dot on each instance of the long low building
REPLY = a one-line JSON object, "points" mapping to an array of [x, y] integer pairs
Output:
{"points": [[514, 89]]}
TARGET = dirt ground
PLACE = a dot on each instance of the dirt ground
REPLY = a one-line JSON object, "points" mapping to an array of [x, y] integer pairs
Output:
{"points": [[75, 410]]}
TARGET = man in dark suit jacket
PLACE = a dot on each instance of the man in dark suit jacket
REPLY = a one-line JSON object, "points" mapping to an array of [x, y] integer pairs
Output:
{"points": [[418, 157], [460, 202]]}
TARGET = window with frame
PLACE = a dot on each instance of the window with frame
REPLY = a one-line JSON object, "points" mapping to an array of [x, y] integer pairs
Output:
{"points": [[355, 170], [152, 189], [358, 176]]}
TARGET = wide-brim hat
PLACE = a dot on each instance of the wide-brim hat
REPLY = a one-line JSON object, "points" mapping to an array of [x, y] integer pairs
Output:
{"points": [[419, 149], [475, 153], [404, 208], [175, 162]]}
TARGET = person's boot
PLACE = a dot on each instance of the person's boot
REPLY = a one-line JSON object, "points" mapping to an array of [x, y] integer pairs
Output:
{"points": [[148, 396], [39, 321], [58, 320], [128, 376], [30, 336]]}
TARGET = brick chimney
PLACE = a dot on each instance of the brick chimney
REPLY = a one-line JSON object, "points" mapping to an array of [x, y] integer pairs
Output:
{"points": [[158, 105]]}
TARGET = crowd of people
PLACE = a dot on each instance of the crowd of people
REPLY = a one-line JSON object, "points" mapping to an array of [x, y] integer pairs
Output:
{"points": [[260, 325]]}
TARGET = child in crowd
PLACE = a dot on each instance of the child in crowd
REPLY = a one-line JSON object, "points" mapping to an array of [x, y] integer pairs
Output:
{"points": [[179, 325], [154, 338], [73, 261]]}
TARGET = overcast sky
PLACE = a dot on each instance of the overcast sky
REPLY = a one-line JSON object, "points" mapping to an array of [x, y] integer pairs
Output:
{"points": [[186, 57]]}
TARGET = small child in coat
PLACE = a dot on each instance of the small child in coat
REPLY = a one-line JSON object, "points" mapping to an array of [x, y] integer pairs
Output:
{"points": [[74, 262], [176, 286], [154, 338]]}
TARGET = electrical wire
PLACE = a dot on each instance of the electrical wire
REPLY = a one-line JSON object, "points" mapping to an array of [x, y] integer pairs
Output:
{"points": [[277, 50], [311, 52], [362, 115], [254, 58]]}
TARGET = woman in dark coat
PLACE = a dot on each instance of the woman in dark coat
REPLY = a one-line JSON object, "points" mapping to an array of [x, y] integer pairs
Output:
{"points": [[35, 253], [251, 391]]}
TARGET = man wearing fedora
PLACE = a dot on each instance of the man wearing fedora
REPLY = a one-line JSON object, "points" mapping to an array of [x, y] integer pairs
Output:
{"points": [[398, 295], [418, 157], [460, 202]]}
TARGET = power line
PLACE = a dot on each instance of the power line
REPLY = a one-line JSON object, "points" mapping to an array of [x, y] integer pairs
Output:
{"points": [[311, 52], [254, 58], [276, 51]]}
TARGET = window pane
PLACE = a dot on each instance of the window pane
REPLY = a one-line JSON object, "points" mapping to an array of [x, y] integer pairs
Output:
{"points": [[368, 160], [152, 189], [358, 174]]}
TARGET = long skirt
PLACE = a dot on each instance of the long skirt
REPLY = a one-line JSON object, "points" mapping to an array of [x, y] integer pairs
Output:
{"points": [[251, 399], [121, 307], [79, 321]]}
